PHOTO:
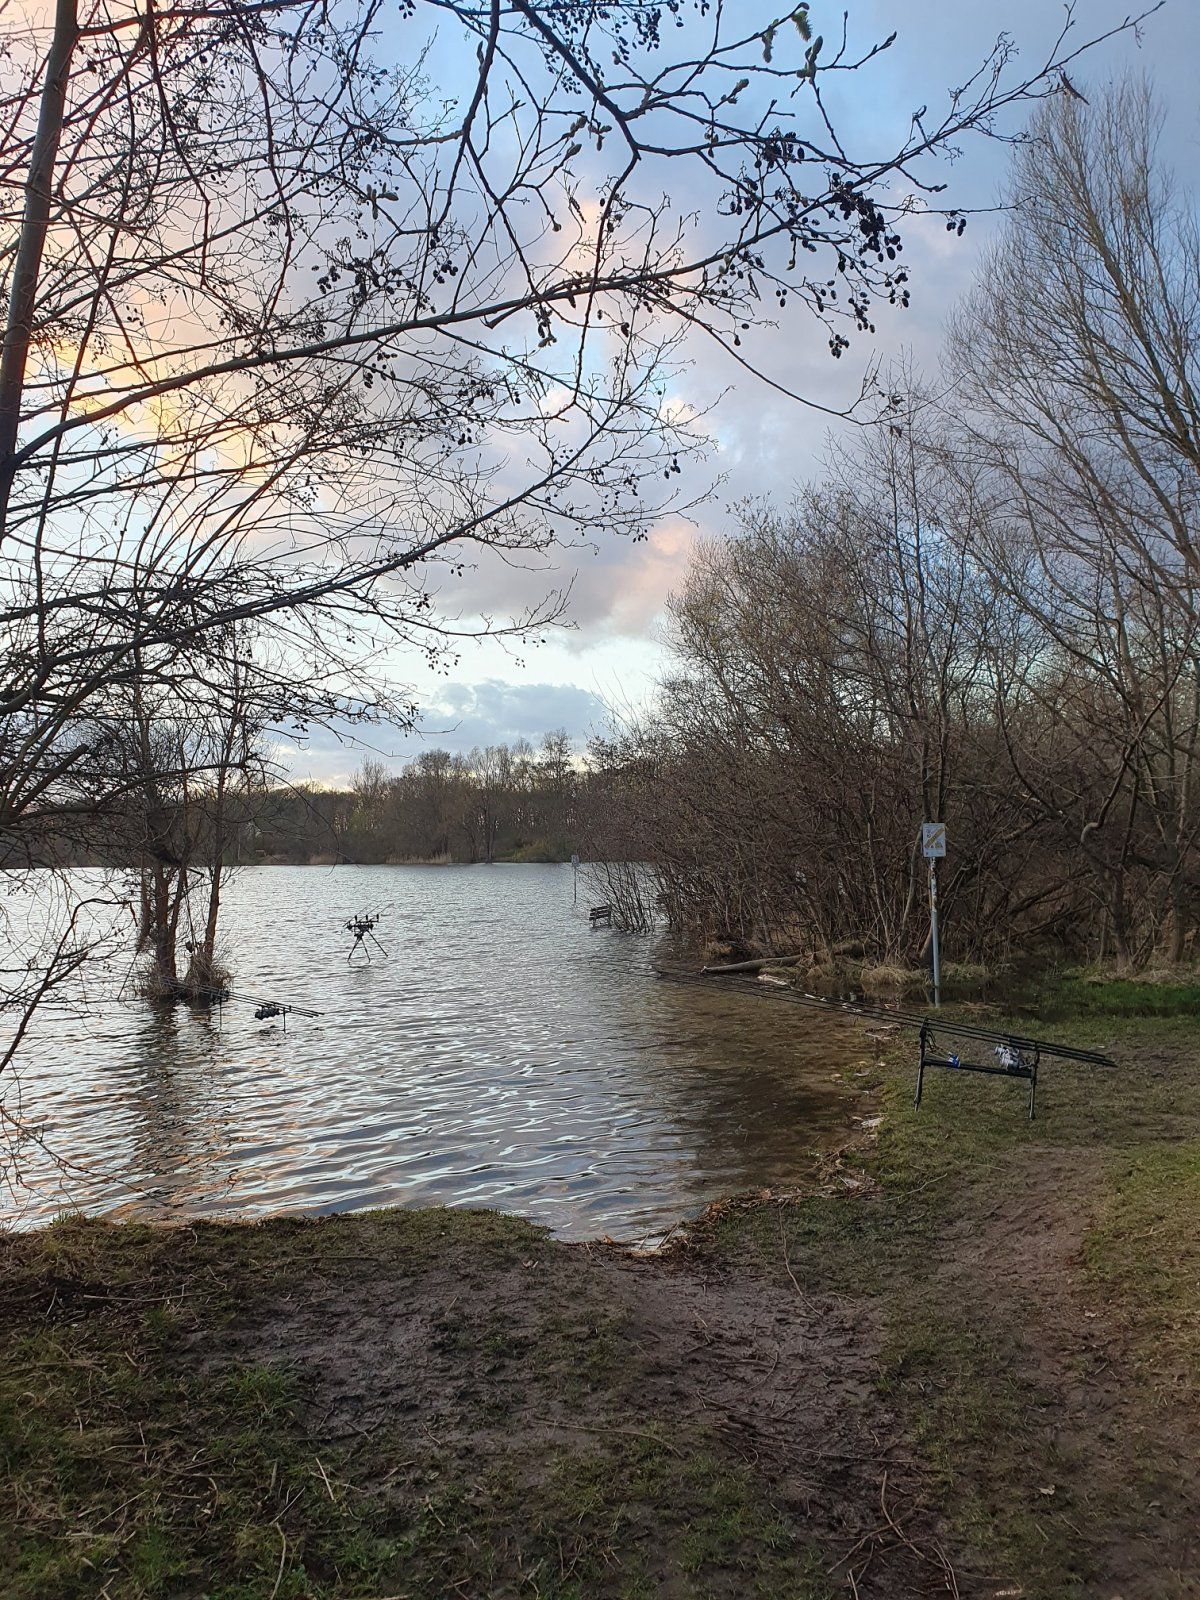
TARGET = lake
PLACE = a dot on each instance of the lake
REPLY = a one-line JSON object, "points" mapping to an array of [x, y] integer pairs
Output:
{"points": [[503, 1053]]}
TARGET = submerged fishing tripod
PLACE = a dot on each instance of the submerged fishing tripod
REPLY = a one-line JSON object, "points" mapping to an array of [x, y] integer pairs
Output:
{"points": [[363, 928]]}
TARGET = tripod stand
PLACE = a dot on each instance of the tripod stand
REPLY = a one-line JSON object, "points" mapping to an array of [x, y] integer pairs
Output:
{"points": [[363, 928]]}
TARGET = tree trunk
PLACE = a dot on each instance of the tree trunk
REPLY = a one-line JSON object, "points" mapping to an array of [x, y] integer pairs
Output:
{"points": [[35, 223]]}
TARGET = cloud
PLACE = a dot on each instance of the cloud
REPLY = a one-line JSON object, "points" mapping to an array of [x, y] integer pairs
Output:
{"points": [[496, 712], [457, 717], [615, 585], [765, 444]]}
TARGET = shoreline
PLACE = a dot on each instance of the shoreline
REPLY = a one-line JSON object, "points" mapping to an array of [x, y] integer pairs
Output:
{"points": [[855, 1137], [968, 1356]]}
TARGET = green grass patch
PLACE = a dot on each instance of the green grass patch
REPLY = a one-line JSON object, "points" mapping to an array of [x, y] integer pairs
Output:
{"points": [[217, 1488], [140, 1456], [957, 1364], [1086, 995], [619, 1517], [120, 1473], [1144, 1255], [127, 1467], [975, 1403]]}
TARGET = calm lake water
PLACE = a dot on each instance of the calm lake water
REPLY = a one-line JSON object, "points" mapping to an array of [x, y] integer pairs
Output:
{"points": [[503, 1053]]}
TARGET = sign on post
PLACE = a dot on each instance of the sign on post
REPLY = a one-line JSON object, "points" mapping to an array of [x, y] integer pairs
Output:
{"points": [[933, 847], [933, 840]]}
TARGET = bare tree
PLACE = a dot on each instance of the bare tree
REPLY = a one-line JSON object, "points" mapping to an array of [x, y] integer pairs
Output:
{"points": [[1081, 344], [894, 648], [1080, 354], [193, 765]]}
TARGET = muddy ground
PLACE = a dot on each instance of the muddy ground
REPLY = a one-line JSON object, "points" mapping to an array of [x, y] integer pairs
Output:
{"points": [[962, 1362]]}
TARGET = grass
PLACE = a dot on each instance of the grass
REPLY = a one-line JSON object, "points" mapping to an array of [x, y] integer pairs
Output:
{"points": [[1138, 1217], [125, 1463], [885, 979], [119, 1469], [226, 1490], [959, 1363], [143, 1453], [606, 1519], [1144, 1253], [970, 1393], [1102, 995]]}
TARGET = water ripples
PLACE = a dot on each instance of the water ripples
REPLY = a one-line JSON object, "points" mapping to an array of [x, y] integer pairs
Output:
{"points": [[504, 1054]]}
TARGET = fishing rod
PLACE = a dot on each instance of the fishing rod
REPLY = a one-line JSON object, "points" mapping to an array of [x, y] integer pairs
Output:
{"points": [[363, 928], [1017, 1055], [265, 1007], [892, 1014]]}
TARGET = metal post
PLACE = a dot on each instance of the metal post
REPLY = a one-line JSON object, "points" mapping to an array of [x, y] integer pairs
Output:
{"points": [[933, 923]]}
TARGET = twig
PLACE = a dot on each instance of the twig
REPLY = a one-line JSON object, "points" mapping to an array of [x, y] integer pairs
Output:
{"points": [[325, 1480], [947, 1569], [282, 1559], [636, 1433], [787, 1263]]}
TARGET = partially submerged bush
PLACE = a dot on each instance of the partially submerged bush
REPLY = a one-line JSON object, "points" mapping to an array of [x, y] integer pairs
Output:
{"points": [[206, 980]]}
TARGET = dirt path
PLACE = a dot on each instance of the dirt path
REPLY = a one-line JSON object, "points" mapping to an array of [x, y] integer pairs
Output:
{"points": [[571, 1351], [1022, 1264]]}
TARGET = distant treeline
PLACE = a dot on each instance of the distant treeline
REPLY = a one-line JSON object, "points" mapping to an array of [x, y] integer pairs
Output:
{"points": [[505, 802]]}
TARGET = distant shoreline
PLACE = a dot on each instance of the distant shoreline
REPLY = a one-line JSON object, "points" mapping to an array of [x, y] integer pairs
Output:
{"points": [[313, 862]]}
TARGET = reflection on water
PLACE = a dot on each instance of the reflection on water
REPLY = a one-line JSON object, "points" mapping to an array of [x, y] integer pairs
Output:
{"points": [[504, 1054]]}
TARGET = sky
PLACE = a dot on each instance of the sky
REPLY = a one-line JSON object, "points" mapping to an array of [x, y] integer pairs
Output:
{"points": [[610, 652]]}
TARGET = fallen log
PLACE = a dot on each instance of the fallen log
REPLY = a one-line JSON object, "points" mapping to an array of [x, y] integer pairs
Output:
{"points": [[754, 966]]}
